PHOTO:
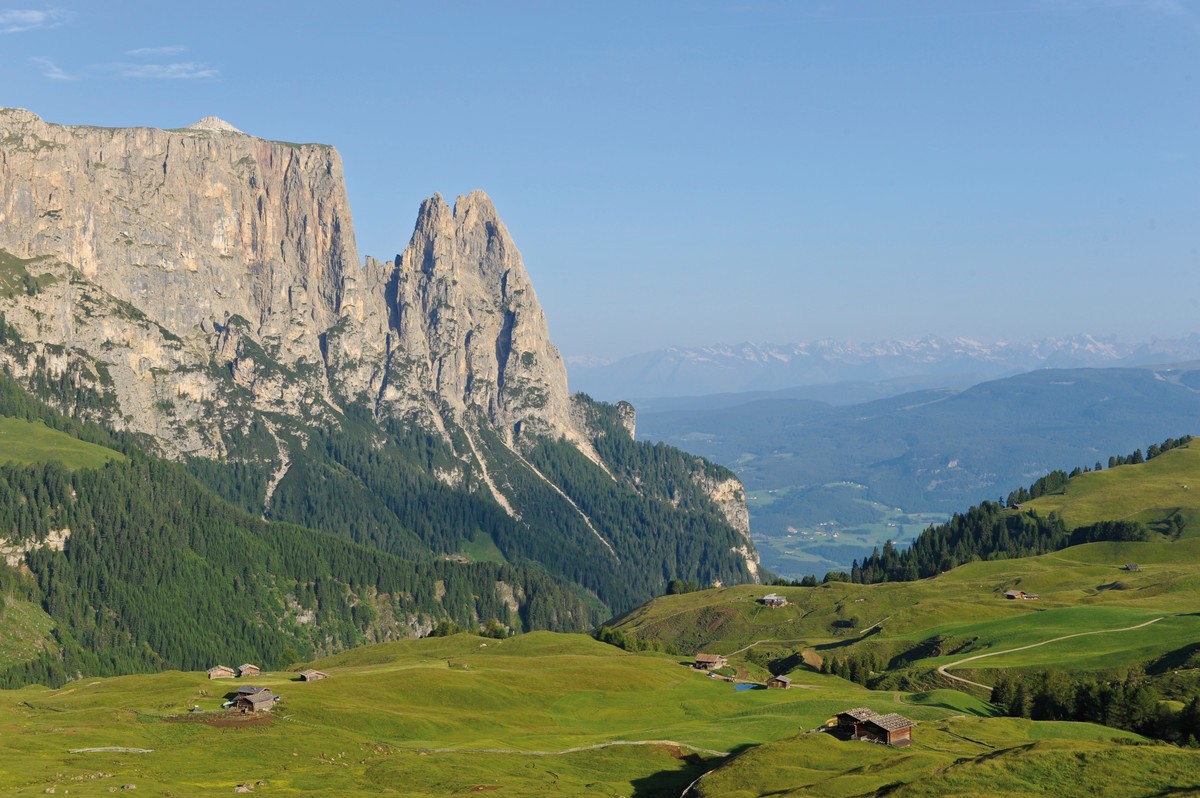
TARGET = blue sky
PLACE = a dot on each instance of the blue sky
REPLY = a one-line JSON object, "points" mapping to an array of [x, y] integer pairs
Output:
{"points": [[692, 173]]}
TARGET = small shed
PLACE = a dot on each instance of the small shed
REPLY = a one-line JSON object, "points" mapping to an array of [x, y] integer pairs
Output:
{"points": [[312, 676], [710, 662], [772, 600], [1020, 595], [262, 701], [220, 672], [779, 682], [867, 724], [1133, 567], [891, 729], [249, 670]]}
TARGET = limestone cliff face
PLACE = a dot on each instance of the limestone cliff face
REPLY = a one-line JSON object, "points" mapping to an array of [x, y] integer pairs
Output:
{"points": [[172, 255], [230, 252], [730, 497]]}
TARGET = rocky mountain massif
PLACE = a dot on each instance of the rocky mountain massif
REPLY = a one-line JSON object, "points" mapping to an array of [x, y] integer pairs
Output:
{"points": [[201, 290]]}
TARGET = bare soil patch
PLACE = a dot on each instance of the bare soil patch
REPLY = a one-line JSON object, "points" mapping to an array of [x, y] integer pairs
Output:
{"points": [[223, 720]]}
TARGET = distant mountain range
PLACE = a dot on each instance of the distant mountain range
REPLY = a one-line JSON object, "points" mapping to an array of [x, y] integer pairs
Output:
{"points": [[828, 482], [882, 368]]}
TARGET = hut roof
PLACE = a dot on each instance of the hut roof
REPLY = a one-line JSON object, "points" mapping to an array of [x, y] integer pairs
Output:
{"points": [[890, 722], [261, 697], [783, 679], [250, 690], [709, 658], [860, 713], [313, 674]]}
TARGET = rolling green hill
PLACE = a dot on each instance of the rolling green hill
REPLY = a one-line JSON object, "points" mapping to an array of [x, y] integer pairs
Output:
{"points": [[540, 714], [910, 628], [1150, 492], [24, 441], [962, 758]]}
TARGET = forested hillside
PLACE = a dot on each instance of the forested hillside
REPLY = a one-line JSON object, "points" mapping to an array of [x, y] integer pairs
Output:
{"points": [[157, 572], [621, 529]]}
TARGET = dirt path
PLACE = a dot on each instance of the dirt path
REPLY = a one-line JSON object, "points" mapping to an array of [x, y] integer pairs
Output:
{"points": [[747, 648], [943, 668], [574, 750]]}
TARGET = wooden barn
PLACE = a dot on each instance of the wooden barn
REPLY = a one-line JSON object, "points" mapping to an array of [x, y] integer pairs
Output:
{"points": [[260, 701], [1019, 595], [248, 670], [892, 729], [312, 676], [710, 662], [867, 724], [772, 600], [220, 672], [779, 683]]}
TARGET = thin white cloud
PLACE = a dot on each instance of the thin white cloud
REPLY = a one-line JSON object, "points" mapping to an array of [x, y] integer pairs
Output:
{"points": [[173, 49], [52, 70], [181, 71], [21, 20]]}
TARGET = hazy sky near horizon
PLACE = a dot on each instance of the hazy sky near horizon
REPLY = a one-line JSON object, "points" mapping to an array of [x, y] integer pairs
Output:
{"points": [[701, 172]]}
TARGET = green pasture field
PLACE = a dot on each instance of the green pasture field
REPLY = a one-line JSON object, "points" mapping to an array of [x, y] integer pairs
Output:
{"points": [[33, 442], [1083, 588], [1147, 491], [539, 714], [427, 717], [963, 757]]}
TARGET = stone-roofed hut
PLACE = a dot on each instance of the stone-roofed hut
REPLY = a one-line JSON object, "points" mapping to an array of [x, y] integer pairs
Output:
{"points": [[220, 672], [248, 670], [311, 675], [867, 724], [779, 682], [262, 701], [710, 662], [892, 729], [851, 718], [773, 600]]}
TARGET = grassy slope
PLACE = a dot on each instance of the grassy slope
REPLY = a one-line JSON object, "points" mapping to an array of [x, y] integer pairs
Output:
{"points": [[409, 718], [1082, 588], [1148, 491], [962, 757], [32, 442]]}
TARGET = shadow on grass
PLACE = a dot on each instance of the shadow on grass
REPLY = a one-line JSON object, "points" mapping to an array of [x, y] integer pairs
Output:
{"points": [[672, 783]]}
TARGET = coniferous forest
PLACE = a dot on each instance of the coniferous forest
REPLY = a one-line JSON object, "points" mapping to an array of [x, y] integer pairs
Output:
{"points": [[158, 572]]}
